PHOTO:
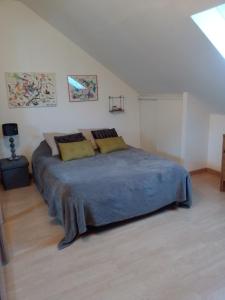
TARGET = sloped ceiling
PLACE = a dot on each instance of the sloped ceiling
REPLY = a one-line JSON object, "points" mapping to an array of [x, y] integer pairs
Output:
{"points": [[153, 45]]}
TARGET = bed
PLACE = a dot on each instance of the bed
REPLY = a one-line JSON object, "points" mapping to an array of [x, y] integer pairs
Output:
{"points": [[107, 188]]}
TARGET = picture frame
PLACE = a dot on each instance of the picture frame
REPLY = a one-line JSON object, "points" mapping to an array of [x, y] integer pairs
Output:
{"points": [[31, 89], [82, 88]]}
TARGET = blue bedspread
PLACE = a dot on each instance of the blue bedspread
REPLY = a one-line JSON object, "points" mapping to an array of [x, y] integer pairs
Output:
{"points": [[107, 188]]}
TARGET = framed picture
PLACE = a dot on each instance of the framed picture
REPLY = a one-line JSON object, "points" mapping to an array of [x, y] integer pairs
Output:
{"points": [[31, 89], [82, 88]]}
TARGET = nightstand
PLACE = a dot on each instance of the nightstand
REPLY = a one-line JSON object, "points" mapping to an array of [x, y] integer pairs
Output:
{"points": [[14, 173]]}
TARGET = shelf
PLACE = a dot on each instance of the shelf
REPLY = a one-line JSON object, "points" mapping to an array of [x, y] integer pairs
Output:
{"points": [[116, 104], [117, 110]]}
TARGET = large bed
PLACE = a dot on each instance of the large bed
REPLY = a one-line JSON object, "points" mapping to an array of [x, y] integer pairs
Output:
{"points": [[107, 188]]}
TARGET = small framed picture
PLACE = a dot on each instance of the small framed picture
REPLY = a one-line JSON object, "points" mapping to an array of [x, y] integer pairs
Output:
{"points": [[82, 88]]}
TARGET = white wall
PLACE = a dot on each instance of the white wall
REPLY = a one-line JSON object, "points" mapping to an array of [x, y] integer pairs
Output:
{"points": [[148, 124], [29, 44], [195, 132], [161, 124], [216, 131], [176, 126]]}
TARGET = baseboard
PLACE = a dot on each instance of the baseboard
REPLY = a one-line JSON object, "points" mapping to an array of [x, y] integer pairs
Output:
{"points": [[205, 170], [198, 171], [214, 172]]}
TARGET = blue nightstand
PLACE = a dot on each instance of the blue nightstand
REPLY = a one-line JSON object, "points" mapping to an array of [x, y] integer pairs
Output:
{"points": [[15, 173]]}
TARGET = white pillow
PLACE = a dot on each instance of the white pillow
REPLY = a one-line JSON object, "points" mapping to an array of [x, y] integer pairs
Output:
{"points": [[49, 138]]}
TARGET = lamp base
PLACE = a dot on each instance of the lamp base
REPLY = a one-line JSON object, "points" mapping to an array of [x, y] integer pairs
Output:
{"points": [[13, 150], [14, 158]]}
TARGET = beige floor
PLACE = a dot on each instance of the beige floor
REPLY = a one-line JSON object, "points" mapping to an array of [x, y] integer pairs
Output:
{"points": [[174, 255]]}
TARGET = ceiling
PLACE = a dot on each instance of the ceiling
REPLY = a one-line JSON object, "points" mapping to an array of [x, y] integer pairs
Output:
{"points": [[153, 45]]}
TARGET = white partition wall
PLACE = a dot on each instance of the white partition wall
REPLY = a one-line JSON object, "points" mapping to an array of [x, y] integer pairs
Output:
{"points": [[216, 131], [195, 132], [176, 126], [161, 124]]}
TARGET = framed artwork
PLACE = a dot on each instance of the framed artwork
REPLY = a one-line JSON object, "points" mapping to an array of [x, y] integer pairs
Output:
{"points": [[31, 89], [82, 88]]}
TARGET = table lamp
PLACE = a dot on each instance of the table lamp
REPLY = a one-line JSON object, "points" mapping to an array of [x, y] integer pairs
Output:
{"points": [[10, 130]]}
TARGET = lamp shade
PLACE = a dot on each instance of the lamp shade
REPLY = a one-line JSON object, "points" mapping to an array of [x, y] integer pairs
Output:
{"points": [[9, 129]]}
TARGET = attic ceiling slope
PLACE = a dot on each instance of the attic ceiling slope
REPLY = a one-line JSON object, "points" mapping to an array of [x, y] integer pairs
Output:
{"points": [[152, 45]]}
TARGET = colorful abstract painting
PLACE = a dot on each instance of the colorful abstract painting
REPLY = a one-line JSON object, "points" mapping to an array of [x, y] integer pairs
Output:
{"points": [[82, 88], [31, 89]]}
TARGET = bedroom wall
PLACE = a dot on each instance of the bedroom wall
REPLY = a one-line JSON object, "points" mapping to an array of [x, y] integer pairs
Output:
{"points": [[176, 126], [29, 44], [195, 132], [216, 131], [161, 124], [148, 125]]}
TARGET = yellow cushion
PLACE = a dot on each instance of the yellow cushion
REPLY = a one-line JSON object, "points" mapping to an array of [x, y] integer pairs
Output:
{"points": [[88, 136], [75, 150], [111, 144], [87, 133]]}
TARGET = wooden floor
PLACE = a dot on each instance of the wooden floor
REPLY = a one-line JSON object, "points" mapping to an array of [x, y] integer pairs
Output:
{"points": [[178, 254]]}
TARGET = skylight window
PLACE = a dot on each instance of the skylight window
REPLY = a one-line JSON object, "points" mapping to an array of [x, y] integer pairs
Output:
{"points": [[212, 23]]}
